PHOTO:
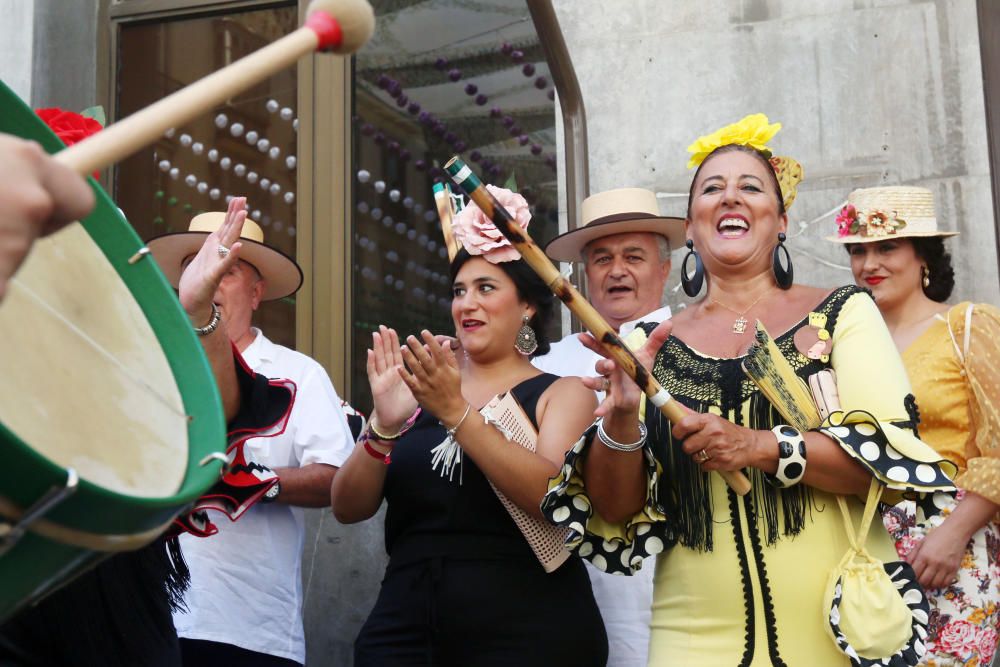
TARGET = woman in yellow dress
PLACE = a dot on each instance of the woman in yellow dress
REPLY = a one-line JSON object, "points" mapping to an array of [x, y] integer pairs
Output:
{"points": [[742, 581], [952, 354]]}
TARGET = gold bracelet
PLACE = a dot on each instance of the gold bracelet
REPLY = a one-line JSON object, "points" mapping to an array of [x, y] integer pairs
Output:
{"points": [[407, 425]]}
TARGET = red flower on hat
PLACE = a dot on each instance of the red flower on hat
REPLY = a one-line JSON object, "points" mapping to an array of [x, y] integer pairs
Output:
{"points": [[69, 126], [846, 219]]}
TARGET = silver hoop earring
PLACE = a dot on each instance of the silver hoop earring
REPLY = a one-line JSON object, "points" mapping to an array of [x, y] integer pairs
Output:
{"points": [[526, 342]]}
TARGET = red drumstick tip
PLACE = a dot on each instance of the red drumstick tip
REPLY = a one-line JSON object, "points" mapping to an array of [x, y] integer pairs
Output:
{"points": [[342, 26], [327, 29]]}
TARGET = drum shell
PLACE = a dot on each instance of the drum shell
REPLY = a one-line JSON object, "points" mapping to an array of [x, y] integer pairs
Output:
{"points": [[94, 521]]}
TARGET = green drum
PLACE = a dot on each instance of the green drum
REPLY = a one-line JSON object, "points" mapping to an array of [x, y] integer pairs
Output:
{"points": [[109, 413]]}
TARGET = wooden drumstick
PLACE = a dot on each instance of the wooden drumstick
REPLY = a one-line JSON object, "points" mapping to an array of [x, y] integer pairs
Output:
{"points": [[562, 288], [341, 26]]}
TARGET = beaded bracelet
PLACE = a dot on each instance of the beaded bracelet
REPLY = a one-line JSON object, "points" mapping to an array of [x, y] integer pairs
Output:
{"points": [[373, 433], [791, 458], [611, 443]]}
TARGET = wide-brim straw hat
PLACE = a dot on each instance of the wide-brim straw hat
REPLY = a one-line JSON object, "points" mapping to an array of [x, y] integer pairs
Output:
{"points": [[621, 211], [912, 205], [282, 276]]}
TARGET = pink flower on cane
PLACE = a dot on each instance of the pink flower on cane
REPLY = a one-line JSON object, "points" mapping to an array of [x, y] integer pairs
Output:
{"points": [[477, 233], [987, 641], [958, 638]]}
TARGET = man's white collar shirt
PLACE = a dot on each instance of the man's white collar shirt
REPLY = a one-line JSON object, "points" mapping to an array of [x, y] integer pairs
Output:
{"points": [[246, 581]]}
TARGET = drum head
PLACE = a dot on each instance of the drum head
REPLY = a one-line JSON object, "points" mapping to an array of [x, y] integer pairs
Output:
{"points": [[102, 372], [86, 382]]}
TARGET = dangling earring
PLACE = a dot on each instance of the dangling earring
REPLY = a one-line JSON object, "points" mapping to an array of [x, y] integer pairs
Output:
{"points": [[692, 284], [782, 274], [526, 342], [926, 280]]}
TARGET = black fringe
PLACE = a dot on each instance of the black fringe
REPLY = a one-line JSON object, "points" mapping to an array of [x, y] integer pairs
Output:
{"points": [[685, 491], [178, 576]]}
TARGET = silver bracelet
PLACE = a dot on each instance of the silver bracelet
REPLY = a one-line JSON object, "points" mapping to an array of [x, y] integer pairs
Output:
{"points": [[611, 443], [213, 323]]}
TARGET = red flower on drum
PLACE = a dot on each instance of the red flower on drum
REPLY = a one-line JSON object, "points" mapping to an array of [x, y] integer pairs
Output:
{"points": [[69, 126], [477, 233], [959, 638]]}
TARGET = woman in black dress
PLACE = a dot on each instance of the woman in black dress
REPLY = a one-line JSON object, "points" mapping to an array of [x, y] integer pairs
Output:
{"points": [[462, 586]]}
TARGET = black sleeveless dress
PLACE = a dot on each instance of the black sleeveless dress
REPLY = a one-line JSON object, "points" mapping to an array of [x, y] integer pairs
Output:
{"points": [[462, 587]]}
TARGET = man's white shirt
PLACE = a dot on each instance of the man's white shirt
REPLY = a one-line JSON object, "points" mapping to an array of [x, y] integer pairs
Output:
{"points": [[246, 583], [625, 602]]}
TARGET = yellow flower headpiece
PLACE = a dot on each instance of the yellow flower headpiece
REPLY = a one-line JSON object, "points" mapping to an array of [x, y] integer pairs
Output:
{"points": [[755, 131]]}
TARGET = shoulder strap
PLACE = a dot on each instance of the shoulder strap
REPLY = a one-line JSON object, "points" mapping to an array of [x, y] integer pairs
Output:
{"points": [[859, 538]]}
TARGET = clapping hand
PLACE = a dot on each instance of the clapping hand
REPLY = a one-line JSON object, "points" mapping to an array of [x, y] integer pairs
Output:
{"points": [[434, 377], [394, 403]]}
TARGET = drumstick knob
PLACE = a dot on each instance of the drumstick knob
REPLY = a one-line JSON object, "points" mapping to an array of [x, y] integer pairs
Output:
{"points": [[342, 26]]}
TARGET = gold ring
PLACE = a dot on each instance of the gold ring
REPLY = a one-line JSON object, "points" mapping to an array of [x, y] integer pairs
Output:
{"points": [[703, 456]]}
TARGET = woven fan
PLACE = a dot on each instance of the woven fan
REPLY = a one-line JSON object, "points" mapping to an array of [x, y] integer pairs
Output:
{"points": [[547, 541], [771, 372]]}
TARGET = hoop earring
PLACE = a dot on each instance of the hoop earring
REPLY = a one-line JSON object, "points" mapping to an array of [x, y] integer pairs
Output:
{"points": [[926, 279], [526, 341], [783, 275], [692, 284]]}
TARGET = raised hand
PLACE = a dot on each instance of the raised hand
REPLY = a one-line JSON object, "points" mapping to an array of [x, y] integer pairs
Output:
{"points": [[201, 278], [394, 403]]}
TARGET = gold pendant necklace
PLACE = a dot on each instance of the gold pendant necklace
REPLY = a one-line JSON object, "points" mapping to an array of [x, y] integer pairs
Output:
{"points": [[740, 324]]}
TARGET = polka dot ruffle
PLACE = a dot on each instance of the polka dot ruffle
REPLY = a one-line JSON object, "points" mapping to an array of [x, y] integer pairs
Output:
{"points": [[616, 549], [868, 442]]}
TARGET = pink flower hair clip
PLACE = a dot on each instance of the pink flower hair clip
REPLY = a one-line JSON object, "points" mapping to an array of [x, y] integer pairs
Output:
{"points": [[479, 236]]}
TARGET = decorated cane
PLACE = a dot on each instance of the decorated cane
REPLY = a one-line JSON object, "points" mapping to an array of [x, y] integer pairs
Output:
{"points": [[562, 288], [446, 210], [340, 26]]}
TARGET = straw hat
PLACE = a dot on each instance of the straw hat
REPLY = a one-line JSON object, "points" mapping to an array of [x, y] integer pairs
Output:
{"points": [[879, 214], [621, 211], [282, 276]]}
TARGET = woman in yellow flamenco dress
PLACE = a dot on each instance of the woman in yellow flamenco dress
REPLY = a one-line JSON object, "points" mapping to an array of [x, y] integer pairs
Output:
{"points": [[743, 581]]}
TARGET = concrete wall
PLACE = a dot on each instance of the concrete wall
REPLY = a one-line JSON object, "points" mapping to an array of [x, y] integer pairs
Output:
{"points": [[48, 51], [870, 92], [64, 54], [342, 567], [15, 45]]}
